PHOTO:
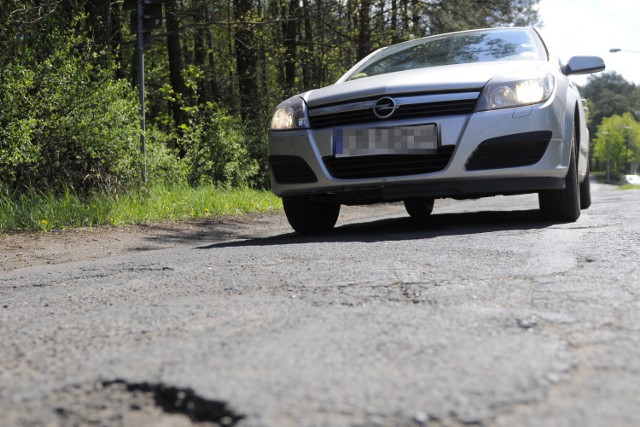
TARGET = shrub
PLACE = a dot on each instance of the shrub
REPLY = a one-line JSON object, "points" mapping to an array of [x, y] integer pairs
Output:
{"points": [[66, 122], [216, 149]]}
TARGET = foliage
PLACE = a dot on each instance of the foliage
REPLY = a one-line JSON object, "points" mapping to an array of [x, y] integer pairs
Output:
{"points": [[65, 121], [609, 94], [213, 75], [216, 152], [617, 145], [163, 165]]}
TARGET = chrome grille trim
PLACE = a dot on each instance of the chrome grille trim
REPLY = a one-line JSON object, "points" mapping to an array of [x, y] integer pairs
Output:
{"points": [[343, 108], [413, 106]]}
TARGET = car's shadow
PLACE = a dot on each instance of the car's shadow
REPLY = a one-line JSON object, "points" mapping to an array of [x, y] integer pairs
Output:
{"points": [[405, 228]]}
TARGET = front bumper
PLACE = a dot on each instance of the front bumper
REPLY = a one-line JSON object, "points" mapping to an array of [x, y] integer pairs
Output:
{"points": [[503, 137]]}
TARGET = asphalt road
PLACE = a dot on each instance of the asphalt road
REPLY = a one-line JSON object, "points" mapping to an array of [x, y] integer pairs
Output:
{"points": [[484, 315]]}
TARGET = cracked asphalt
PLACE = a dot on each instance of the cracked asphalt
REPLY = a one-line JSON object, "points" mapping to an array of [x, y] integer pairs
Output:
{"points": [[483, 315]]}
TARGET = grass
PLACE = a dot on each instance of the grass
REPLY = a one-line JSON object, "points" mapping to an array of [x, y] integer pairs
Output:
{"points": [[601, 176], [46, 211]]}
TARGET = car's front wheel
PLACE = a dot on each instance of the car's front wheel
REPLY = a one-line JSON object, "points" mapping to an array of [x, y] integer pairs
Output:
{"points": [[563, 205], [419, 208], [308, 216]]}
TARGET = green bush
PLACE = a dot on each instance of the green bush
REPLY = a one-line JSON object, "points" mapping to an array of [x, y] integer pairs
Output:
{"points": [[66, 122], [164, 167], [216, 149], [257, 145]]}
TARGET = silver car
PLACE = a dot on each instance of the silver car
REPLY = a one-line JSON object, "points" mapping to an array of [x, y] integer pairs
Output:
{"points": [[461, 115]]}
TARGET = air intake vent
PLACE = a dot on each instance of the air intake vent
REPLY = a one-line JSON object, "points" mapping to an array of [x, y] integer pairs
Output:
{"points": [[388, 165], [510, 151], [291, 170]]}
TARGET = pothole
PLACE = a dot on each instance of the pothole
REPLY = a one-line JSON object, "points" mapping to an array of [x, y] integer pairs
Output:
{"points": [[174, 400], [122, 403]]}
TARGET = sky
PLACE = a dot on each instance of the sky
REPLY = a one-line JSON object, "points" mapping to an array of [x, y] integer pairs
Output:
{"points": [[593, 27]]}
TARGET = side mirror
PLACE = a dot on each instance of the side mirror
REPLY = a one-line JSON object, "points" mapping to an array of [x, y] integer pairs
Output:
{"points": [[583, 65]]}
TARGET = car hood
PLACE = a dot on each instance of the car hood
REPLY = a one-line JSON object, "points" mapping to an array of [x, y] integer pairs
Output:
{"points": [[460, 77]]}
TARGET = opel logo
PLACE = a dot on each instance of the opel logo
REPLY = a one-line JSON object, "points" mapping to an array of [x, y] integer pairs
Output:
{"points": [[385, 107]]}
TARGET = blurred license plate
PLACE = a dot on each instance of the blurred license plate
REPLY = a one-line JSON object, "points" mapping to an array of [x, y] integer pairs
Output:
{"points": [[378, 141]]}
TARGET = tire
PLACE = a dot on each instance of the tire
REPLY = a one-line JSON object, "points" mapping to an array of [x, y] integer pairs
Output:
{"points": [[307, 216], [585, 190], [563, 205], [419, 208]]}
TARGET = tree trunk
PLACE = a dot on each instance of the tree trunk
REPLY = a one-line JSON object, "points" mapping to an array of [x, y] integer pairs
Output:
{"points": [[117, 41], [99, 19], [246, 61], [213, 77], [364, 29], [309, 62], [395, 33], [418, 31], [200, 55], [175, 62], [290, 32]]}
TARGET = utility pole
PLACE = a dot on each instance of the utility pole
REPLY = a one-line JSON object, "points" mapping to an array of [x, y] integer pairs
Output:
{"points": [[148, 17], [143, 121]]}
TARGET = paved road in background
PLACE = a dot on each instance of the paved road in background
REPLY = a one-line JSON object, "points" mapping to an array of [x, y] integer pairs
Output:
{"points": [[484, 315]]}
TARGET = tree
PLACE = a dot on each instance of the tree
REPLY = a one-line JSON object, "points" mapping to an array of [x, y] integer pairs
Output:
{"points": [[609, 94], [231, 59], [65, 121], [617, 145]]}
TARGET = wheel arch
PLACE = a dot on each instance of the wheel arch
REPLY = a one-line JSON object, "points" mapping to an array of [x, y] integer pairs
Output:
{"points": [[576, 125], [582, 140]]}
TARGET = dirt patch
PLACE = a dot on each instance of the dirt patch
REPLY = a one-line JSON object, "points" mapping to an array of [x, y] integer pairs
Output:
{"points": [[29, 249], [32, 249]]}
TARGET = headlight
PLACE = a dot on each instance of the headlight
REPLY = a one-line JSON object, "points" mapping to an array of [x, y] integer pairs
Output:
{"points": [[508, 92], [291, 114]]}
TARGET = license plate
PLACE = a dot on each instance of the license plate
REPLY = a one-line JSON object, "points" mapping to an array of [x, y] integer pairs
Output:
{"points": [[379, 141]]}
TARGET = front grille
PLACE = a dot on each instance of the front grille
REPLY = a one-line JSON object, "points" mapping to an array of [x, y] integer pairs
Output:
{"points": [[510, 151], [362, 167], [409, 107], [291, 170]]}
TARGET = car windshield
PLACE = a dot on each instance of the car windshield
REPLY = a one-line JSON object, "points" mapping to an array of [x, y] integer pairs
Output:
{"points": [[461, 48]]}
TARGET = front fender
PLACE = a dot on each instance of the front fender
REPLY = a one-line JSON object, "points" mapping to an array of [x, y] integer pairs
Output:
{"points": [[575, 116]]}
